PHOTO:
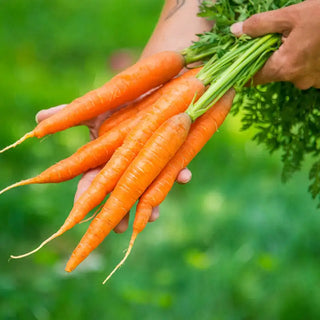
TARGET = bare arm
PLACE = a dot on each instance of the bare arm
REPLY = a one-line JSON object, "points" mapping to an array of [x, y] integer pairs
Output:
{"points": [[177, 27]]}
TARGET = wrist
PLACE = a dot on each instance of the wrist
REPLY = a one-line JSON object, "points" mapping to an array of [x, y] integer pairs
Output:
{"points": [[177, 27]]}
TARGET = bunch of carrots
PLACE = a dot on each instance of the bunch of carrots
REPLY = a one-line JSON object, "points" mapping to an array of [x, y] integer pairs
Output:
{"points": [[145, 144]]}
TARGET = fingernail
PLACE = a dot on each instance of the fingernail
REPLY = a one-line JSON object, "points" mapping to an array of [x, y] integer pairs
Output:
{"points": [[36, 118], [237, 29], [184, 176]]}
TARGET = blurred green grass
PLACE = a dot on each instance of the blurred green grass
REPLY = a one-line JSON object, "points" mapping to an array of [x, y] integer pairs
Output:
{"points": [[235, 243]]}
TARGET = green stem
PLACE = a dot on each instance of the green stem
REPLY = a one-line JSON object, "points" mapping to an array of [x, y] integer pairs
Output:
{"points": [[250, 59], [212, 68], [190, 58], [197, 54]]}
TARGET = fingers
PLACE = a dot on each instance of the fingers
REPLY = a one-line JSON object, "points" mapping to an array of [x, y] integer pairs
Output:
{"points": [[155, 214], [46, 113], [276, 21], [85, 182], [95, 123], [92, 124], [273, 69], [278, 67], [123, 225], [184, 176], [287, 64]]}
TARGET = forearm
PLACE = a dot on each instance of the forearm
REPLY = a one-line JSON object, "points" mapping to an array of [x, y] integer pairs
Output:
{"points": [[177, 27]]}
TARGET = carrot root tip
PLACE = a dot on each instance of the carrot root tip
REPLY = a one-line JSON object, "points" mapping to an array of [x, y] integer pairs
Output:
{"points": [[92, 216], [36, 249], [17, 184], [25, 137], [133, 238]]}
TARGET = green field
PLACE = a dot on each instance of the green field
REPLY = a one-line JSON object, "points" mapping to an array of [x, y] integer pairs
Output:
{"points": [[233, 244]]}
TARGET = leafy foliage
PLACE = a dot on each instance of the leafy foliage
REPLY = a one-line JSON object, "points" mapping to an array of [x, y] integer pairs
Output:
{"points": [[285, 118], [225, 13]]}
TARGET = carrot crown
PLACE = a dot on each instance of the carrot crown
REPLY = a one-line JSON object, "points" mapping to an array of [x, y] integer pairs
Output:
{"points": [[234, 69]]}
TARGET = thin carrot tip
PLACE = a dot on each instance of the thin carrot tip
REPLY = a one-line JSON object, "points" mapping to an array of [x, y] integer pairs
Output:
{"points": [[14, 185], [56, 234], [92, 216], [134, 235], [25, 137]]}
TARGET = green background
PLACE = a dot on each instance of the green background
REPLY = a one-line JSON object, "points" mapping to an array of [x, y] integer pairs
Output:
{"points": [[234, 243]]}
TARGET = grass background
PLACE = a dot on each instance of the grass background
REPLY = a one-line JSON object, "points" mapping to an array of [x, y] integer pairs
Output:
{"points": [[235, 243]]}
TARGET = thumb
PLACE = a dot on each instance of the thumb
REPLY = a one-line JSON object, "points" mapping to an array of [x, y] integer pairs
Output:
{"points": [[85, 181], [275, 21], [46, 113]]}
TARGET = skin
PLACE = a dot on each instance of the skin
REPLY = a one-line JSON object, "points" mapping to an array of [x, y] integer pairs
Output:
{"points": [[299, 64], [298, 58], [167, 35]]}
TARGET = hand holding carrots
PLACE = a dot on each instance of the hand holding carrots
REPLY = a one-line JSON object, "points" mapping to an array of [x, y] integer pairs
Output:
{"points": [[137, 152], [167, 35], [94, 125], [137, 143], [297, 59]]}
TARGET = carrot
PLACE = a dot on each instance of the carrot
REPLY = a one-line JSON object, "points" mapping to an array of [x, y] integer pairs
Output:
{"points": [[96, 152], [129, 112], [158, 150], [201, 131], [93, 154], [176, 96], [128, 85], [179, 94]]}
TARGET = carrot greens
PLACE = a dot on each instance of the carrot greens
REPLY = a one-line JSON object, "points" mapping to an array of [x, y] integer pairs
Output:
{"points": [[149, 142], [285, 118]]}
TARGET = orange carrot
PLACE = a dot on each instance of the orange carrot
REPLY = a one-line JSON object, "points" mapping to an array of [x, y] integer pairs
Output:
{"points": [[176, 96], [175, 99], [158, 150], [129, 112], [179, 94], [93, 154], [201, 131], [135, 108], [128, 85], [96, 152]]}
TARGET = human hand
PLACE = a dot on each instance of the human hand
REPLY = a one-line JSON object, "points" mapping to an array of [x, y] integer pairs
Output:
{"points": [[168, 35], [298, 58], [87, 178]]}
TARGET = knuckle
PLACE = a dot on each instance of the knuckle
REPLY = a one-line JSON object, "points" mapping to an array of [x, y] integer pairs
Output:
{"points": [[122, 227], [155, 214], [303, 84], [274, 70], [289, 17], [252, 22], [289, 68]]}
